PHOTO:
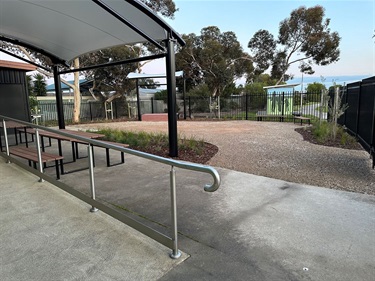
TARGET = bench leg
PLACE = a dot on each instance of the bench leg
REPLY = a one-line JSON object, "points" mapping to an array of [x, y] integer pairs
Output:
{"points": [[73, 152], [57, 169], [122, 157], [62, 166], [107, 157]]}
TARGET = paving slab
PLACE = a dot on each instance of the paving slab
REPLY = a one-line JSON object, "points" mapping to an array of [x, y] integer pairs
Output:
{"points": [[47, 234]]}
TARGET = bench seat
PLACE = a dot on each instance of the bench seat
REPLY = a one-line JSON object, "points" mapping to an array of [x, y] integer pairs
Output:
{"points": [[307, 119], [31, 154]]}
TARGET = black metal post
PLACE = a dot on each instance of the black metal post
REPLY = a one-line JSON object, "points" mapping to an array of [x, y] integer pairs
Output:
{"points": [[282, 107], [152, 105], [358, 109], [184, 92], [189, 108], [59, 100], [90, 111], [246, 105], [171, 89], [138, 101]]}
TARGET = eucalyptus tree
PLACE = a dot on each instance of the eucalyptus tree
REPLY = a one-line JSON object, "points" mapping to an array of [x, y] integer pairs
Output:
{"points": [[214, 58], [304, 36]]}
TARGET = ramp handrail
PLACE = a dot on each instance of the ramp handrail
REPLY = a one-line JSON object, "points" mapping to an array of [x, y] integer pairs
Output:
{"points": [[167, 241]]}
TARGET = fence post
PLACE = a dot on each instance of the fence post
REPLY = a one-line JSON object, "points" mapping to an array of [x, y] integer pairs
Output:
{"points": [[218, 106], [152, 105], [90, 111], [246, 107], [358, 108], [189, 107], [282, 106], [116, 116]]}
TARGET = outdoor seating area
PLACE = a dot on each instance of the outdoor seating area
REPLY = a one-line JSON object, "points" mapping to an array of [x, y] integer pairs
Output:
{"points": [[23, 136]]}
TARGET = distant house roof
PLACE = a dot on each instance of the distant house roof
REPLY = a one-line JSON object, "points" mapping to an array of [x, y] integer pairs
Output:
{"points": [[17, 65], [51, 87]]}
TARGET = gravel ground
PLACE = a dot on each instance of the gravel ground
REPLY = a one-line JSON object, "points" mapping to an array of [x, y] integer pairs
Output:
{"points": [[272, 149]]}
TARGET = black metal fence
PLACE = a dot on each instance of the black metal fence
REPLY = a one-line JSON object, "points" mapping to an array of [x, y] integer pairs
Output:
{"points": [[258, 106], [243, 107], [97, 110], [359, 118]]}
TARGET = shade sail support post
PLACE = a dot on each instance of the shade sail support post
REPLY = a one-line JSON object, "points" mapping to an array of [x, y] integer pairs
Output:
{"points": [[171, 90], [138, 101], [59, 99]]}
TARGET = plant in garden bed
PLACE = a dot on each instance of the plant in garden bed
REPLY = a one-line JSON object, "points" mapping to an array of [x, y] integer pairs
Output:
{"points": [[191, 149], [323, 134]]}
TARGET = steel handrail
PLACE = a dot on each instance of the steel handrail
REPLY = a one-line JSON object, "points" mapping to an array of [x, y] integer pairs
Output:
{"points": [[96, 205], [171, 162]]}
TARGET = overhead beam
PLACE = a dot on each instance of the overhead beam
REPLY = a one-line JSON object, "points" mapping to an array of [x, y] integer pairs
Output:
{"points": [[25, 60], [158, 20], [153, 57], [54, 59]]}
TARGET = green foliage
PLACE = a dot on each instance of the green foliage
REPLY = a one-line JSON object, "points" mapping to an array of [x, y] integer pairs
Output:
{"points": [[39, 85], [162, 95], [325, 131], [305, 33], [166, 8], [199, 91], [215, 58], [156, 141], [33, 103], [107, 79], [315, 87], [29, 83]]}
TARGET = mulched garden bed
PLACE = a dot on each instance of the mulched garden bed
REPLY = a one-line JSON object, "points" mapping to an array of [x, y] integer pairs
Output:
{"points": [[309, 136]]}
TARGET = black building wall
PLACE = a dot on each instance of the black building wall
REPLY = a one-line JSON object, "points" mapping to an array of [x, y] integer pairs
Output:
{"points": [[14, 101]]}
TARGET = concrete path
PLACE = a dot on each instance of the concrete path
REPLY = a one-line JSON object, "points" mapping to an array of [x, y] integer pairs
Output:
{"points": [[46, 234], [252, 228]]}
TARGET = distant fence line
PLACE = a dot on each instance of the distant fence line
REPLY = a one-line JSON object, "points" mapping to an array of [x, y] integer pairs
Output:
{"points": [[242, 107], [359, 118], [254, 106]]}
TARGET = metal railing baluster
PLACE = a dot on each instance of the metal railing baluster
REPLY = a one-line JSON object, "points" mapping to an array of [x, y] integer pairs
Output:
{"points": [[6, 139], [40, 163], [92, 177], [175, 252]]}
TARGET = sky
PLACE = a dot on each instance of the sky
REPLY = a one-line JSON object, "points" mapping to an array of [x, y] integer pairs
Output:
{"points": [[353, 20]]}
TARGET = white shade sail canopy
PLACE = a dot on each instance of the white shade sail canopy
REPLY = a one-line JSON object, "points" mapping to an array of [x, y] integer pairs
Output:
{"points": [[67, 29]]}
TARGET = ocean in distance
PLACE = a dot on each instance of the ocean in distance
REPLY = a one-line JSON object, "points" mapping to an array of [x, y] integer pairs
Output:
{"points": [[328, 80]]}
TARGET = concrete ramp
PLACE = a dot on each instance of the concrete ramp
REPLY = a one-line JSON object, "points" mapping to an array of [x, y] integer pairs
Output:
{"points": [[47, 234]]}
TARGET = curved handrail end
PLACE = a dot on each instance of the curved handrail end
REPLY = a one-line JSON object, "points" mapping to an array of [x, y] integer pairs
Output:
{"points": [[213, 187]]}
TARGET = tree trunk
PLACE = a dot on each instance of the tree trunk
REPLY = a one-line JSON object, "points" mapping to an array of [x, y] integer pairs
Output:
{"points": [[77, 94]]}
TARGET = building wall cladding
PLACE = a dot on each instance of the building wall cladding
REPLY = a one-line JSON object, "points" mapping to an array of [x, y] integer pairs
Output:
{"points": [[13, 94]]}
